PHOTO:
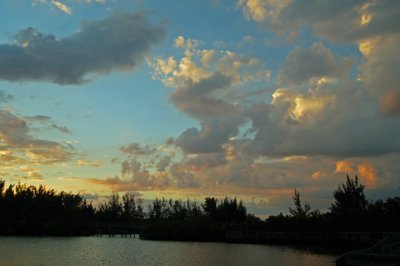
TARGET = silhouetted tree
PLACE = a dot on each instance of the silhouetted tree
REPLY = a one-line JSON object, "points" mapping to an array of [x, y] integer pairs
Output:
{"points": [[159, 209], [210, 207], [299, 211], [349, 197], [129, 207], [38, 210], [140, 214], [111, 210], [350, 206], [230, 210]]}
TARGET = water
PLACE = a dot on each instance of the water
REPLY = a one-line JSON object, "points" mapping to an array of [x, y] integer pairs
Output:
{"points": [[132, 251]]}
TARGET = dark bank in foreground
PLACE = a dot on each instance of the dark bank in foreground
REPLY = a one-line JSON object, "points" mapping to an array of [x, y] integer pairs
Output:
{"points": [[385, 252]]}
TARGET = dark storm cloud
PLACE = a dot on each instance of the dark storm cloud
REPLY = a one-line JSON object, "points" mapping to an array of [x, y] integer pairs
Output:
{"points": [[119, 42]]}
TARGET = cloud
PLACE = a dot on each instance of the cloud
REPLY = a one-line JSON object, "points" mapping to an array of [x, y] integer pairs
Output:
{"points": [[305, 64], [333, 119], [31, 174], [64, 8], [38, 118], [163, 163], [365, 171], [321, 119], [260, 10], [61, 5], [16, 138], [325, 111], [89, 196], [344, 167], [47, 120], [206, 82], [340, 21], [372, 25], [380, 72], [5, 97], [198, 98], [119, 42], [200, 64], [316, 175], [213, 134], [93, 1], [368, 173], [137, 149], [61, 129], [83, 163]]}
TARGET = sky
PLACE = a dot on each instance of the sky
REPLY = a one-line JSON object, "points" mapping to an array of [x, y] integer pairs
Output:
{"points": [[204, 98]]}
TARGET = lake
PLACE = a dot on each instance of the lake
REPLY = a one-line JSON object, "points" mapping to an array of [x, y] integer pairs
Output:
{"points": [[133, 251]]}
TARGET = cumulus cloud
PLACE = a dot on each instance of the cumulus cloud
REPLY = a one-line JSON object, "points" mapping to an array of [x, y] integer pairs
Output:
{"points": [[380, 72], [372, 25], [318, 113], [198, 64], [119, 42], [342, 20], [135, 175], [204, 81], [321, 119], [331, 119], [324, 111], [260, 10]]}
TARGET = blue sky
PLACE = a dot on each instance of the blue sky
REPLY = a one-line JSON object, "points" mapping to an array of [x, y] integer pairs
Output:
{"points": [[247, 98]]}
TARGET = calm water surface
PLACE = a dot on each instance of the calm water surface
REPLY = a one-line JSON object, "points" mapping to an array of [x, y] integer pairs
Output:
{"points": [[132, 251]]}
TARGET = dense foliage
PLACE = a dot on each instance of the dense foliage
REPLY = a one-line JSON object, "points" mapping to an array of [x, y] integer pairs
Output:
{"points": [[30, 210], [349, 212]]}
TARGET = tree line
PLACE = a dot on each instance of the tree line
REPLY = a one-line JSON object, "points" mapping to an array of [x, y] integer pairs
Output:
{"points": [[30, 210], [350, 211]]}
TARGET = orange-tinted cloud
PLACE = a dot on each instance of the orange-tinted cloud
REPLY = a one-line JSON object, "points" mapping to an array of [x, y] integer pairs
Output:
{"points": [[316, 175], [390, 102], [344, 167], [368, 173]]}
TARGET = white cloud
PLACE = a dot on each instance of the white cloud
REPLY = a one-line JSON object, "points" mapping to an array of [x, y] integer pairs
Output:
{"points": [[63, 7]]}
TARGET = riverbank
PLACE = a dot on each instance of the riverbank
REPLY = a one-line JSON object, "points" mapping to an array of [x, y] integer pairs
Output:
{"points": [[348, 240], [344, 239]]}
